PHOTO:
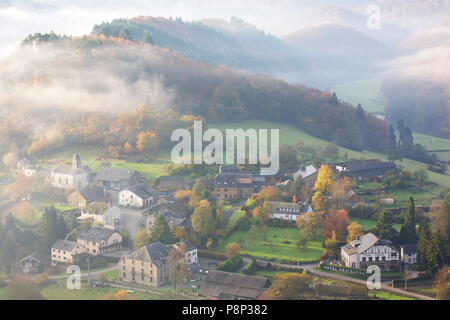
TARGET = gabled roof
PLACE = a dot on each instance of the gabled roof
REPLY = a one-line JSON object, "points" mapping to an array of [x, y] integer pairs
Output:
{"points": [[221, 284], [188, 244], [365, 242], [304, 172], [37, 257], [142, 190], [96, 234], [155, 252], [93, 193], [409, 248], [115, 174], [98, 208], [69, 170], [65, 245], [171, 179], [289, 207]]}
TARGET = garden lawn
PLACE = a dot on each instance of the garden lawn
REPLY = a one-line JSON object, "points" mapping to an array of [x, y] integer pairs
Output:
{"points": [[272, 247], [367, 224], [59, 291], [237, 214]]}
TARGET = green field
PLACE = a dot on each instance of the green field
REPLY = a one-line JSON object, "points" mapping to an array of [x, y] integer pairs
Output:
{"points": [[367, 92], [272, 247], [234, 219], [291, 136], [91, 156]]}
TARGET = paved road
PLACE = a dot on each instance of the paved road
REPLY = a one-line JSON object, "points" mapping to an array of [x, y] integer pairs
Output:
{"points": [[131, 219], [83, 275], [312, 269], [227, 214]]}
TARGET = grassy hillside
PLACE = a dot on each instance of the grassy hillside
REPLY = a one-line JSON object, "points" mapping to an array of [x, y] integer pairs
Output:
{"points": [[291, 136]]}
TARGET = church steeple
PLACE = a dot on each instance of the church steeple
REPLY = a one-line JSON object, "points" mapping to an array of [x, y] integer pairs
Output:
{"points": [[76, 161]]}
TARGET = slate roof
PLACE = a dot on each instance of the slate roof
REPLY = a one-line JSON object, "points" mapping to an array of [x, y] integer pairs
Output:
{"points": [[156, 252], [96, 208], [231, 180], [36, 256], [221, 284], [69, 170], [228, 169], [142, 190], [288, 207], [365, 242], [171, 179], [65, 245], [304, 172], [115, 174], [409, 248], [96, 234], [188, 244], [361, 166], [94, 193]]}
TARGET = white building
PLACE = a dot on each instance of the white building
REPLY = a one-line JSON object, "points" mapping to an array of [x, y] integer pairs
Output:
{"points": [[370, 250], [138, 196], [70, 177], [288, 211], [191, 256], [409, 253]]}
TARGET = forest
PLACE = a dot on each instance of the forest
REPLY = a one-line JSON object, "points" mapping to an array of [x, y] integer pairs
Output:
{"points": [[111, 90]]}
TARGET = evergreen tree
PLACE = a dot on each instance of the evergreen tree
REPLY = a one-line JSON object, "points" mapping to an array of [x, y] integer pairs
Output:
{"points": [[435, 258], [49, 228], [8, 255], [401, 131], [408, 233], [392, 138], [147, 38], [384, 227], [334, 100], [125, 34], [360, 112], [62, 228], [422, 246], [161, 231]]}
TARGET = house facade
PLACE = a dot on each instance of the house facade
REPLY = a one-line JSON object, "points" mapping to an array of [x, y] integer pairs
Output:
{"points": [[137, 196], [288, 211], [33, 264], [81, 198], [99, 240], [65, 251], [233, 186], [370, 250], [409, 253]]}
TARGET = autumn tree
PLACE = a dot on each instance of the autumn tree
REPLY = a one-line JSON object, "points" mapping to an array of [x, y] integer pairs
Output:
{"points": [[203, 222], [22, 287], [336, 221], [310, 223], [142, 239], [176, 266], [354, 230], [441, 283], [339, 189], [263, 211], [290, 286], [408, 234], [147, 142], [232, 249], [323, 185], [119, 295]]}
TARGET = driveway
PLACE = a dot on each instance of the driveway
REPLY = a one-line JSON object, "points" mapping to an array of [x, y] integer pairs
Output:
{"points": [[131, 219]]}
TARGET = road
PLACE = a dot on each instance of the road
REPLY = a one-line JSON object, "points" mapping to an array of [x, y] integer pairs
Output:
{"points": [[131, 219], [227, 214], [312, 269], [84, 275]]}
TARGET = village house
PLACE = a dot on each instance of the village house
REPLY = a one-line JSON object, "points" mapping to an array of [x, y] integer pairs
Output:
{"points": [[138, 196], [365, 169], [99, 240], [308, 174], [33, 264], [148, 265], [221, 285], [66, 251], [352, 199], [171, 183], [370, 250], [102, 212], [288, 211], [90, 194], [25, 162], [285, 186], [191, 256], [70, 177], [233, 186], [409, 253], [117, 178]]}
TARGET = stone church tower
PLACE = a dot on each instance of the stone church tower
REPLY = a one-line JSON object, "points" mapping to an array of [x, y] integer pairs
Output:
{"points": [[76, 161]]}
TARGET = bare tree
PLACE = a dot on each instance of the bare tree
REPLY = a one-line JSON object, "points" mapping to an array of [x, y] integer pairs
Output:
{"points": [[176, 266]]}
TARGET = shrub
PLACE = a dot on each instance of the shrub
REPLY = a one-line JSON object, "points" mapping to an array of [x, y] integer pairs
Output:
{"points": [[42, 279], [244, 223], [250, 269], [231, 265], [212, 254]]}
